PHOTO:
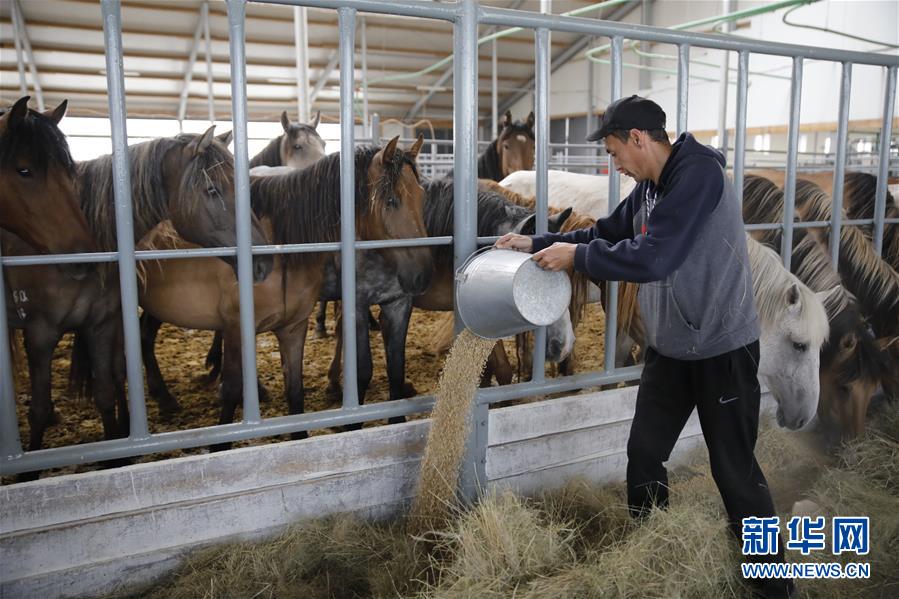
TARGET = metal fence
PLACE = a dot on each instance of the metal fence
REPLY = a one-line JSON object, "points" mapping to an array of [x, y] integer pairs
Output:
{"points": [[465, 16]]}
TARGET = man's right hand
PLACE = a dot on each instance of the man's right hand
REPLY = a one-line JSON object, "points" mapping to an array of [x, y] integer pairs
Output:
{"points": [[514, 241]]}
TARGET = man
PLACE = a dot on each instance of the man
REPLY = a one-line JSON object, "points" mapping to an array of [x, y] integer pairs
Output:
{"points": [[680, 233]]}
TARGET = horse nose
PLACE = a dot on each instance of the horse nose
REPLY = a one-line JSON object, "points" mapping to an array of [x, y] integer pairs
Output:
{"points": [[262, 267], [555, 350]]}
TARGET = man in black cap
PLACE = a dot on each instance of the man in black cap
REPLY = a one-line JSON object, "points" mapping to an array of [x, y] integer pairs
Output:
{"points": [[679, 233]]}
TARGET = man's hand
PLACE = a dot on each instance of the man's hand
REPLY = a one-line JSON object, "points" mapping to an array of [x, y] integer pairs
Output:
{"points": [[558, 256], [514, 241]]}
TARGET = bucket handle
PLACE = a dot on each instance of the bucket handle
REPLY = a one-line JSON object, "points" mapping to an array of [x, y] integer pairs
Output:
{"points": [[460, 275]]}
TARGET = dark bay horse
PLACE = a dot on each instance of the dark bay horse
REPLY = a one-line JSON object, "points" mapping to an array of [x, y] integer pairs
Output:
{"points": [[302, 207], [852, 363], [299, 146], [512, 150], [38, 196], [188, 179]]}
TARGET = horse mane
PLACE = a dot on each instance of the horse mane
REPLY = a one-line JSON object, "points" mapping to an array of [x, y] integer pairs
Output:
{"points": [[859, 193], [489, 166], [270, 154], [870, 278], [149, 197], [494, 210], [770, 281], [38, 138], [304, 206]]}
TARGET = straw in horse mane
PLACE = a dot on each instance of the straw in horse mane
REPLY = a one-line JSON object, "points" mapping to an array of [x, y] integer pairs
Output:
{"points": [[445, 449]]}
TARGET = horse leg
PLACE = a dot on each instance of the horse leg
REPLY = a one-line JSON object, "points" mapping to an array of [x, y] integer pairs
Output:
{"points": [[394, 328], [334, 391], [502, 368], [231, 390], [100, 340], [214, 357], [364, 368], [373, 324], [291, 341], [40, 341], [320, 330], [149, 329]]}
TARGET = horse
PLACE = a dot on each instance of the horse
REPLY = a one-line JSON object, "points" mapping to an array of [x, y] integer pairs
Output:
{"points": [[188, 179], [859, 191], [512, 149], [587, 195], [38, 197], [302, 207], [299, 146], [852, 364]]}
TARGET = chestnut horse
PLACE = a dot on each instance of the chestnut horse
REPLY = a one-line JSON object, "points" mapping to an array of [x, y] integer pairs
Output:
{"points": [[38, 197], [189, 179], [301, 207]]}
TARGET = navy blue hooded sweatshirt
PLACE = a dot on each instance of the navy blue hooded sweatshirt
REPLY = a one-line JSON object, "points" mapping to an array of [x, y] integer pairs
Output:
{"points": [[684, 240]]}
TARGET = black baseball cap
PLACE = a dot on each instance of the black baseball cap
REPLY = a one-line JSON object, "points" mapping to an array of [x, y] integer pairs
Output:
{"points": [[629, 113]]}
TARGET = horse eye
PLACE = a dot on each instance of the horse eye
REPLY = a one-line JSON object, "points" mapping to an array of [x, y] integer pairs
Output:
{"points": [[800, 347], [212, 191], [24, 172], [392, 201], [297, 147]]}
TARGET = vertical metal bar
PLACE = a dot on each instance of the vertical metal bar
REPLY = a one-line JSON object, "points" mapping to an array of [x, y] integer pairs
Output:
{"points": [[683, 85], [366, 132], [614, 191], [726, 8], [376, 128], [786, 249], [10, 445], [207, 38], [590, 107], [115, 83], [301, 53], [20, 57], [740, 124], [886, 133], [237, 10], [465, 127], [541, 126], [836, 208], [189, 71], [494, 96], [32, 64], [347, 27]]}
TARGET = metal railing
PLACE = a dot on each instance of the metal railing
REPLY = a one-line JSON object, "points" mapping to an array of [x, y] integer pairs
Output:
{"points": [[465, 16]]}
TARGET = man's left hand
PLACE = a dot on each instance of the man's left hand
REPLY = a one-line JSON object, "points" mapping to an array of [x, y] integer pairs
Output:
{"points": [[558, 256]]}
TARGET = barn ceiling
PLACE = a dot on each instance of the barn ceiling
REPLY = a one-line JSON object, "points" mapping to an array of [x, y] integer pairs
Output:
{"points": [[67, 41]]}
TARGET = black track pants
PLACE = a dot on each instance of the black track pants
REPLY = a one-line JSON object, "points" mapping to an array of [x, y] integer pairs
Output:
{"points": [[726, 394]]}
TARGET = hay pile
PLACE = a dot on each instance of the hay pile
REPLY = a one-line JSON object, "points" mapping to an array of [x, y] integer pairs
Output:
{"points": [[577, 541]]}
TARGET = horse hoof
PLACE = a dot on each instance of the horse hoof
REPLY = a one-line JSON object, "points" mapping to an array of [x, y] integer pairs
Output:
{"points": [[25, 477], [409, 390], [54, 418], [299, 435], [264, 396], [320, 333], [334, 393], [220, 447]]}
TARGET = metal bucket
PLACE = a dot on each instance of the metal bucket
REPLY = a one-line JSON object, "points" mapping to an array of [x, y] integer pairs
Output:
{"points": [[500, 293]]}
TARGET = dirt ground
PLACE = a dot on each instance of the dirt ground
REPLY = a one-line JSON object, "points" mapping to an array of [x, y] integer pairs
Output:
{"points": [[182, 353]]}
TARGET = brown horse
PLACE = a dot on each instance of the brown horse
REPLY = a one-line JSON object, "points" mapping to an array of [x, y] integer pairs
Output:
{"points": [[38, 198], [299, 146], [302, 207], [188, 178], [512, 150]]}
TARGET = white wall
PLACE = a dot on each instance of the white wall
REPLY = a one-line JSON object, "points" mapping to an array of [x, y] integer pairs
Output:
{"points": [[768, 97]]}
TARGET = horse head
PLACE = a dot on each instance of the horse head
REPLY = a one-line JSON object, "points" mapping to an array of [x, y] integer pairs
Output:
{"points": [[515, 144], [200, 178], [301, 145], [792, 335], [396, 211], [38, 190]]}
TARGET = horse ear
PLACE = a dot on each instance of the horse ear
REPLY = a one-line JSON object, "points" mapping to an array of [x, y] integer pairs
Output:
{"points": [[848, 342], [15, 115], [530, 121], [315, 121], [555, 222], [507, 121], [793, 294], [225, 137], [285, 122], [416, 147], [389, 151], [527, 225], [57, 113], [199, 145]]}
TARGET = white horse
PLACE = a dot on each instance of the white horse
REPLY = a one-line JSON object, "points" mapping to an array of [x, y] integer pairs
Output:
{"points": [[586, 194]]}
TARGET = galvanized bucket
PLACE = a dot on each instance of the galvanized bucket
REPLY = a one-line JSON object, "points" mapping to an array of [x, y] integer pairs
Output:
{"points": [[500, 293]]}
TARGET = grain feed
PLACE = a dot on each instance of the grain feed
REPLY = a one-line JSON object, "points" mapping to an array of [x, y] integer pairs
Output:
{"points": [[449, 429]]}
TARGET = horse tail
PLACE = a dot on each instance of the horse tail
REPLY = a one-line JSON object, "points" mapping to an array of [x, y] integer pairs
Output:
{"points": [[627, 305], [81, 379]]}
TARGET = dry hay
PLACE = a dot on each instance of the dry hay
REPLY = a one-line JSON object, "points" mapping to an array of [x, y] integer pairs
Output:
{"points": [[449, 429], [577, 541]]}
